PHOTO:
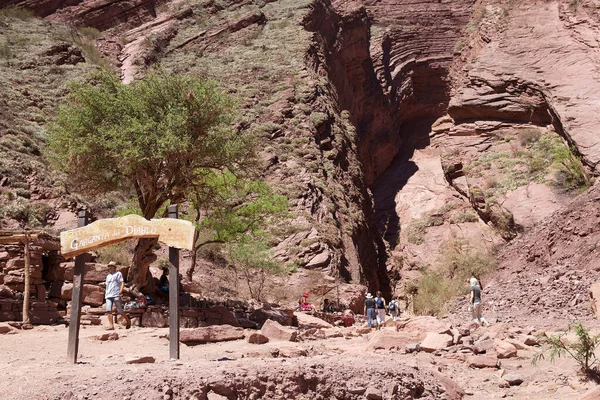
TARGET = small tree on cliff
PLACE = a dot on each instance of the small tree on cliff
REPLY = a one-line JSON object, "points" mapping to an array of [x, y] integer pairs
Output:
{"points": [[154, 138], [230, 210]]}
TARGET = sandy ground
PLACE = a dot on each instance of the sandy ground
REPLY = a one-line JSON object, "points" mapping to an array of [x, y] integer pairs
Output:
{"points": [[34, 365]]}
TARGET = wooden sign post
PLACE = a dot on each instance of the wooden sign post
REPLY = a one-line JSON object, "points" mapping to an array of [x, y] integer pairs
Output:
{"points": [[175, 233], [77, 298], [173, 293]]}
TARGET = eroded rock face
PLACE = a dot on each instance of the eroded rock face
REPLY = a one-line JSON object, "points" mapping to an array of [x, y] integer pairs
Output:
{"points": [[100, 14]]}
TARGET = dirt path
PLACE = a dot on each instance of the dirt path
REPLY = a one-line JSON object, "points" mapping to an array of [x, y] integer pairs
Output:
{"points": [[34, 366]]}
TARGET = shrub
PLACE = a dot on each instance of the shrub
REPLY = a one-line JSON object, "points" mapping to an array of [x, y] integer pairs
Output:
{"points": [[16, 12], [569, 170], [466, 216], [529, 136], [433, 291], [459, 261], [582, 350]]}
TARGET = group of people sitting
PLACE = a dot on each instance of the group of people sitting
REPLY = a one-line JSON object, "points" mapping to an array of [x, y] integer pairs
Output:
{"points": [[304, 305]]}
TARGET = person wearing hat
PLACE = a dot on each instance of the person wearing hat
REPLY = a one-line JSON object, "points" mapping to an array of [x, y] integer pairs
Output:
{"points": [[114, 289], [370, 312], [304, 304]]}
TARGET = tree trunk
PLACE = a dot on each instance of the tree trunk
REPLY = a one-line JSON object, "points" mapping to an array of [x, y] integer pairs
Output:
{"points": [[139, 273], [27, 293], [190, 271]]}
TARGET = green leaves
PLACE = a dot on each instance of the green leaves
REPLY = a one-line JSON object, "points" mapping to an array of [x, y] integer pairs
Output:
{"points": [[234, 207], [156, 136], [582, 350]]}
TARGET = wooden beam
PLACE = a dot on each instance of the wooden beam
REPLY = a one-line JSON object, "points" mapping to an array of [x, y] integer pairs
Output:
{"points": [[172, 232], [77, 298], [27, 291], [173, 294]]}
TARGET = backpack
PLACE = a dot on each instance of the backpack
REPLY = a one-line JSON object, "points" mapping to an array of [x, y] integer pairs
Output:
{"points": [[379, 302], [392, 305]]}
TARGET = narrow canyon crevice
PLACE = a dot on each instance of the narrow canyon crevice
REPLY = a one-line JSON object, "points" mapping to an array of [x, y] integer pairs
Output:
{"points": [[414, 99]]}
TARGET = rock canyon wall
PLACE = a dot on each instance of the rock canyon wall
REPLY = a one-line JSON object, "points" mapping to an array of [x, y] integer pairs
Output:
{"points": [[393, 127]]}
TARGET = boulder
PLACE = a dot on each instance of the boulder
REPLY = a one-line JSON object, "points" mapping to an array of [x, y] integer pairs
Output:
{"points": [[388, 339], [435, 341], [483, 346], [108, 336], [275, 331], [505, 349], [141, 360], [220, 315], [94, 273], [215, 333], [257, 338], [5, 328], [5, 292], [153, 319], [283, 317], [93, 295], [482, 362], [413, 348], [513, 379], [308, 321], [424, 324]]}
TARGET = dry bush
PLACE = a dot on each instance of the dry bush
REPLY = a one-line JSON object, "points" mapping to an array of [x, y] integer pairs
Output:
{"points": [[529, 136], [459, 260]]}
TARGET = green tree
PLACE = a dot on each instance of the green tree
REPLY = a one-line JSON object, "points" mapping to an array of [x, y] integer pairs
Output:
{"points": [[230, 210], [155, 137], [582, 350]]}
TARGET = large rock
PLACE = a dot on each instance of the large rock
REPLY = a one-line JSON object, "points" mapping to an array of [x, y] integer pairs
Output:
{"points": [[215, 333], [308, 321], [482, 362], [153, 319], [257, 338], [435, 341], [93, 295], [388, 339], [94, 273], [275, 331], [504, 349], [220, 315], [284, 317], [423, 325]]}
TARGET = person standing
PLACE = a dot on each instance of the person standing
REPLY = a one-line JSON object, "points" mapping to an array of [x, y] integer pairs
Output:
{"points": [[394, 308], [381, 306], [475, 301], [370, 313], [114, 289]]}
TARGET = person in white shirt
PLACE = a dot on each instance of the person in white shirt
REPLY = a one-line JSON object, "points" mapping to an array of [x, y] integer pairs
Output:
{"points": [[114, 290]]}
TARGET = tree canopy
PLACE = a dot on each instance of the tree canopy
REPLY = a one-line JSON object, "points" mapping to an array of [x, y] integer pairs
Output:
{"points": [[155, 136]]}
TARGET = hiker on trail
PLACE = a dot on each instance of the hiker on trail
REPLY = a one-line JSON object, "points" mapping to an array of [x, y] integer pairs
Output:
{"points": [[304, 304], [370, 312], [475, 301], [114, 290], [381, 306], [394, 308]]}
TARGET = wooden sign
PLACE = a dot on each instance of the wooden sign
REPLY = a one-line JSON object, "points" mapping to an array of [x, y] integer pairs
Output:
{"points": [[172, 232]]}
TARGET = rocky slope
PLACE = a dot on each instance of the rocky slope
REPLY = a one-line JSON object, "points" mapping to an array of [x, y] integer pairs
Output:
{"points": [[395, 128]]}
